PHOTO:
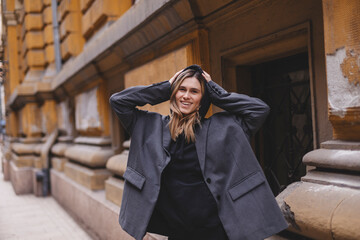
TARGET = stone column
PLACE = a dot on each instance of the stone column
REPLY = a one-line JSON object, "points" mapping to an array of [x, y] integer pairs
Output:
{"points": [[325, 204], [342, 49]]}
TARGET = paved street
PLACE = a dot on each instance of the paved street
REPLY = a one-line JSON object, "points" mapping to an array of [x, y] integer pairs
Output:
{"points": [[30, 217]]}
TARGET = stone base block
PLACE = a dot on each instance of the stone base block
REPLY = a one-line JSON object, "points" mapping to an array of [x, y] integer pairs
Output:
{"points": [[114, 188], [23, 160], [6, 169], [90, 208], [37, 162], [21, 179], [320, 211], [93, 179], [59, 163]]}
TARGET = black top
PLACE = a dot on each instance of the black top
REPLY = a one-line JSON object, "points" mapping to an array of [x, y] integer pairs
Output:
{"points": [[185, 206]]}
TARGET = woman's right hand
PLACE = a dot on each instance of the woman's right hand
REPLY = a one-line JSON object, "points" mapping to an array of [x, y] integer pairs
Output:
{"points": [[174, 77]]}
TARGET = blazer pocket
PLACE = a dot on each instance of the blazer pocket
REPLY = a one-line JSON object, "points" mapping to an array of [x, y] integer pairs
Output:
{"points": [[246, 185], [135, 178]]}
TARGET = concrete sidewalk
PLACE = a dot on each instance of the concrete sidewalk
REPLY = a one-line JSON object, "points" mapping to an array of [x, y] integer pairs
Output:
{"points": [[30, 217]]}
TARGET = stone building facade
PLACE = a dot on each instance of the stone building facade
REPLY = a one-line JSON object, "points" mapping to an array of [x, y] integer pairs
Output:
{"points": [[62, 60]]}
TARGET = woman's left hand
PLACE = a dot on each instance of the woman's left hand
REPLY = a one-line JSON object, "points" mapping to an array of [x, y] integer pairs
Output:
{"points": [[206, 76]]}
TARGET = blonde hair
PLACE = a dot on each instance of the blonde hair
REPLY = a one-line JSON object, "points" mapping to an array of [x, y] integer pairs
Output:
{"points": [[180, 123]]}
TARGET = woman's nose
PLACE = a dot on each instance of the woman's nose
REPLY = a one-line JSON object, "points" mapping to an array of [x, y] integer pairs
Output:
{"points": [[186, 95]]}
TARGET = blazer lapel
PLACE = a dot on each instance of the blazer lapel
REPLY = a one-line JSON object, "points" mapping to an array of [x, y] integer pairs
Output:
{"points": [[200, 142]]}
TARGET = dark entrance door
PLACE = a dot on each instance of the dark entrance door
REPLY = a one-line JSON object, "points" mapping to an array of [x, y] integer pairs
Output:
{"points": [[286, 136]]}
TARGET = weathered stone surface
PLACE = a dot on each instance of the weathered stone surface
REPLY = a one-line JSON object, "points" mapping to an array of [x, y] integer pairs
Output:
{"points": [[37, 162], [60, 148], [50, 54], [6, 169], [100, 141], [35, 58], [21, 179], [117, 164], [85, 4], [33, 6], [93, 179], [114, 188], [332, 178], [65, 139], [23, 160], [21, 148], [98, 214], [48, 34], [30, 140], [72, 45], [93, 156], [33, 21], [71, 23], [310, 209], [47, 13], [334, 158], [338, 144], [37, 148], [67, 6], [34, 39], [58, 163], [345, 221]]}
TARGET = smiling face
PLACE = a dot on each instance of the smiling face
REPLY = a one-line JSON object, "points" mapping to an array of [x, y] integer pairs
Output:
{"points": [[188, 95]]}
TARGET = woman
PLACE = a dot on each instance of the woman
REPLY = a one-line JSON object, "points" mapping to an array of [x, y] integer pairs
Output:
{"points": [[189, 177]]}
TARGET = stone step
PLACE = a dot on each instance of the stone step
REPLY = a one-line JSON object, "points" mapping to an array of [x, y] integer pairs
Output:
{"points": [[114, 188], [93, 179]]}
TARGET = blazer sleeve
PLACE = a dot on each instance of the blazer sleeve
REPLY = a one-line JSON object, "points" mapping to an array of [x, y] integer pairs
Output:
{"points": [[124, 103], [250, 112]]}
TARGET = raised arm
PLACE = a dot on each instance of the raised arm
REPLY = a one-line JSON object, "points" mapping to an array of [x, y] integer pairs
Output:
{"points": [[124, 103], [251, 112]]}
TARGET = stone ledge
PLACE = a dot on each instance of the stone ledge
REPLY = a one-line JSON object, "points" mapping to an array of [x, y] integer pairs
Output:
{"points": [[99, 141], [117, 164], [91, 208], [322, 211], [30, 140], [93, 179], [59, 149], [336, 179], [22, 149], [334, 159], [92, 156], [338, 144], [114, 188], [37, 148], [23, 161]]}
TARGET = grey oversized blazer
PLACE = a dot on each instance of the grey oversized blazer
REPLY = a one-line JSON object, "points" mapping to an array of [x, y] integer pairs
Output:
{"points": [[246, 205]]}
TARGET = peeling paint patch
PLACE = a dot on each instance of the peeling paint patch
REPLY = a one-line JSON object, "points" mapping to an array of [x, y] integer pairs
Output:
{"points": [[342, 93], [351, 67]]}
